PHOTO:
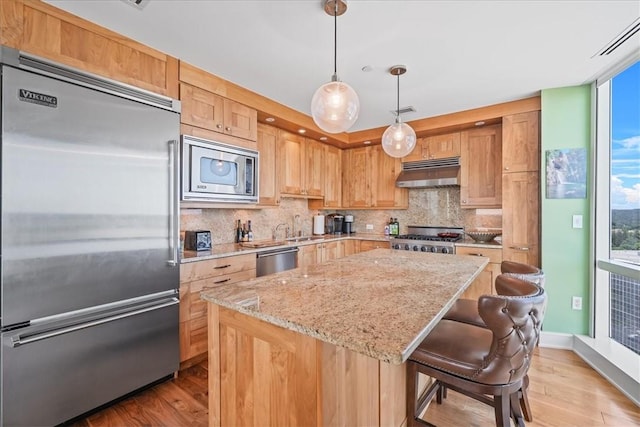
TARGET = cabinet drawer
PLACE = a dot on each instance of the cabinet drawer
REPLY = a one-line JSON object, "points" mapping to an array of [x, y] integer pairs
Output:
{"points": [[197, 306], [494, 255], [369, 245], [216, 267]]}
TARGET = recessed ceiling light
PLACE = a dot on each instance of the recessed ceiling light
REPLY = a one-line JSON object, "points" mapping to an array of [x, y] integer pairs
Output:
{"points": [[323, 138], [367, 142], [270, 119], [302, 131], [480, 123]]}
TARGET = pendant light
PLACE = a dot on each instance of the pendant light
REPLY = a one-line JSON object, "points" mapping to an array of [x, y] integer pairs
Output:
{"points": [[399, 139], [335, 105]]}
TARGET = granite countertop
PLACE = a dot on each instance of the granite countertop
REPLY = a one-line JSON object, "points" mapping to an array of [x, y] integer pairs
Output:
{"points": [[231, 249], [381, 303]]}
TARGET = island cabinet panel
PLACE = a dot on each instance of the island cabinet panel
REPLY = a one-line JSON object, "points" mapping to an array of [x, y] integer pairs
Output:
{"points": [[484, 284], [262, 374], [265, 375], [199, 276], [43, 30], [481, 168], [267, 143]]}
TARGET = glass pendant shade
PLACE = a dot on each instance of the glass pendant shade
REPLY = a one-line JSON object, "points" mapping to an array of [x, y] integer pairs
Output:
{"points": [[335, 107], [399, 139]]}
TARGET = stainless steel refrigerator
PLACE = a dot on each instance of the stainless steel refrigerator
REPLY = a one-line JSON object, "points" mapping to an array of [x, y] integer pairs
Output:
{"points": [[89, 253]]}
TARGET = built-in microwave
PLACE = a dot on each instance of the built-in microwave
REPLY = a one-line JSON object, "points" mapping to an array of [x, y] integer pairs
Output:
{"points": [[217, 172]]}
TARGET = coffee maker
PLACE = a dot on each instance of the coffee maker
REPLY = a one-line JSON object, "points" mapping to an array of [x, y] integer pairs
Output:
{"points": [[347, 225], [333, 223]]}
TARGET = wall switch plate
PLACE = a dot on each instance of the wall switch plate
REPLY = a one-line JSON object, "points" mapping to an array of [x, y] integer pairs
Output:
{"points": [[577, 221], [369, 226], [576, 303]]}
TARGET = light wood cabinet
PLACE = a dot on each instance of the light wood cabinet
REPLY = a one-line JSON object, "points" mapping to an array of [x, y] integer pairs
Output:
{"points": [[300, 166], [43, 30], [327, 251], [307, 255], [484, 284], [521, 217], [267, 143], [435, 147], [332, 180], [521, 142], [369, 180], [346, 247], [196, 277], [481, 168], [521, 188], [206, 110], [369, 245]]}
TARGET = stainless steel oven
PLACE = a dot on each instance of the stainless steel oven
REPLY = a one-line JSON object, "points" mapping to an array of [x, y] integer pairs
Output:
{"points": [[217, 172]]}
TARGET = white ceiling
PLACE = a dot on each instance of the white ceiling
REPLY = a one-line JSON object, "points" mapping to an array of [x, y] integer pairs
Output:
{"points": [[459, 54]]}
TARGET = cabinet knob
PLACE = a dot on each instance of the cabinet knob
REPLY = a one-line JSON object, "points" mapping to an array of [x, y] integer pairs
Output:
{"points": [[228, 129], [218, 126], [464, 201], [506, 168]]}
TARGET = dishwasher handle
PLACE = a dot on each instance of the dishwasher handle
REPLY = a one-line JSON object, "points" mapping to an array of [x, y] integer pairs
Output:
{"points": [[277, 252]]}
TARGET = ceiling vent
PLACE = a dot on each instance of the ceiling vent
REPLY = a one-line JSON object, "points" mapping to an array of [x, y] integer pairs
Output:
{"points": [[625, 35], [403, 110], [138, 4]]}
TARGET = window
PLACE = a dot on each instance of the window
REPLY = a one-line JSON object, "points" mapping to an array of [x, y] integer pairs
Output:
{"points": [[617, 223]]}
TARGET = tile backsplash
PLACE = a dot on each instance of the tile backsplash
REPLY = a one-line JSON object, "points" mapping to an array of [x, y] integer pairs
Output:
{"points": [[432, 206]]}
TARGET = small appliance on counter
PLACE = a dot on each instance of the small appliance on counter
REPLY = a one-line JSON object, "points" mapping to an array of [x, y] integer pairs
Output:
{"points": [[333, 223], [199, 240], [347, 225], [318, 224]]}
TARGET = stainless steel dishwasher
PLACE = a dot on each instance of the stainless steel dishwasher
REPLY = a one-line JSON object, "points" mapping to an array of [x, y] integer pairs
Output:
{"points": [[276, 260]]}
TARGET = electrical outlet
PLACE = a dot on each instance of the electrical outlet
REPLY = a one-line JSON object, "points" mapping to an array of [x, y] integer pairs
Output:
{"points": [[576, 303], [369, 226]]}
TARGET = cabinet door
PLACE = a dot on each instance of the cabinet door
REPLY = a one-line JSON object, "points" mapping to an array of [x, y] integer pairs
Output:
{"points": [[418, 153], [521, 217], [346, 248], [267, 141], [291, 161], [201, 108], [521, 142], [314, 168], [329, 251], [307, 255], [481, 168], [385, 171], [442, 146], [240, 120], [357, 178], [332, 177], [369, 245]]}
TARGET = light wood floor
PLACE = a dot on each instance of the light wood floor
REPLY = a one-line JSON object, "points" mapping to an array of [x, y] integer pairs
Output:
{"points": [[564, 391]]}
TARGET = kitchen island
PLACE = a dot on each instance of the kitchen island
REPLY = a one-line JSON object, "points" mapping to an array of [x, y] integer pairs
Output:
{"points": [[326, 344]]}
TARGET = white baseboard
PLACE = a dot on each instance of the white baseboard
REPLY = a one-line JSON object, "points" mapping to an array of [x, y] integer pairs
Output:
{"points": [[556, 340], [600, 361]]}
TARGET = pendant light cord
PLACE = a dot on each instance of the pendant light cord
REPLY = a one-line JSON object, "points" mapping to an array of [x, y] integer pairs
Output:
{"points": [[335, 39], [398, 99]]}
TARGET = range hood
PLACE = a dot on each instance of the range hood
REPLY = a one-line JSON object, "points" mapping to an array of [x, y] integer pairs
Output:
{"points": [[430, 173]]}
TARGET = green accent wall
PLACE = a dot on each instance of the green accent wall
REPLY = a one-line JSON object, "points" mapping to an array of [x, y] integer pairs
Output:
{"points": [[566, 123]]}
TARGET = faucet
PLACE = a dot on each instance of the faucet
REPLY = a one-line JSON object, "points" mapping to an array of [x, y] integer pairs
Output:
{"points": [[274, 235], [297, 231]]}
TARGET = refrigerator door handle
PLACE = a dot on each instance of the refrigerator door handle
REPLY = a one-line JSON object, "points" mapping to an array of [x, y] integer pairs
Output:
{"points": [[173, 204], [17, 340]]}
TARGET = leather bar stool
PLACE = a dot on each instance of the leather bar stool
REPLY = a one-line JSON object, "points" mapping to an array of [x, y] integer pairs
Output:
{"points": [[466, 311], [487, 363]]}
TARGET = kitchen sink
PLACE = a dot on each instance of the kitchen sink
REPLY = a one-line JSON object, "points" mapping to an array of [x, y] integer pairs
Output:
{"points": [[304, 238]]}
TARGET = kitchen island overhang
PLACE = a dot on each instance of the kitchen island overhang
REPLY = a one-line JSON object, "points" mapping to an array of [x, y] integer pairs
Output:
{"points": [[327, 344]]}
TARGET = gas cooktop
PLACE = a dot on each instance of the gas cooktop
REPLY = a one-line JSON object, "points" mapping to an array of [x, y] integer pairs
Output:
{"points": [[428, 239]]}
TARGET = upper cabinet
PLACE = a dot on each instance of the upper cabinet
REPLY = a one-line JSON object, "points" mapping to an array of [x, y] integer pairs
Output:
{"points": [[521, 142], [300, 166], [369, 180], [267, 147], [46, 31], [435, 147], [481, 167], [210, 112], [332, 170]]}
